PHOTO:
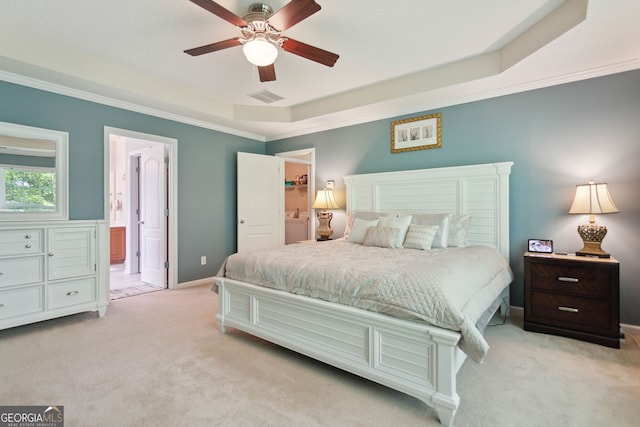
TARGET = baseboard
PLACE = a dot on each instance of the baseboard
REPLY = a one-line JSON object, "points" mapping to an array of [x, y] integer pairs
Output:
{"points": [[630, 329], [205, 281]]}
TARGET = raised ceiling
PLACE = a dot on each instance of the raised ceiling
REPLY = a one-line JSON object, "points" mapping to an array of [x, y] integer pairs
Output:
{"points": [[395, 57]]}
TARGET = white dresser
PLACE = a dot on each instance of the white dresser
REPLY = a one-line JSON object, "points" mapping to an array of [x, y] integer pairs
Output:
{"points": [[50, 270]]}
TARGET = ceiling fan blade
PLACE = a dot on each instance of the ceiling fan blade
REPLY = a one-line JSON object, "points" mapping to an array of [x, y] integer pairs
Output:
{"points": [[221, 12], [267, 73], [318, 55], [208, 48], [292, 13]]}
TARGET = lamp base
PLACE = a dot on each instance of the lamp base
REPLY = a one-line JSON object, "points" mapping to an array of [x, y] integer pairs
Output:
{"points": [[592, 235], [593, 249], [324, 228]]}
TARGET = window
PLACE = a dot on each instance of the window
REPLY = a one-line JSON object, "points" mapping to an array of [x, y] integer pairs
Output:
{"points": [[27, 189]]}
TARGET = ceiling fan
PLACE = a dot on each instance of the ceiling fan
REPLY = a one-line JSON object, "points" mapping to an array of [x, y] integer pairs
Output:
{"points": [[262, 34]]}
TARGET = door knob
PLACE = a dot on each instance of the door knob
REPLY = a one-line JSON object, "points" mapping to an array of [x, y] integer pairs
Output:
{"points": [[242, 221]]}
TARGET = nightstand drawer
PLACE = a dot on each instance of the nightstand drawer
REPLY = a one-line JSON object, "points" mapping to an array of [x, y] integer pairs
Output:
{"points": [[572, 280], [570, 311]]}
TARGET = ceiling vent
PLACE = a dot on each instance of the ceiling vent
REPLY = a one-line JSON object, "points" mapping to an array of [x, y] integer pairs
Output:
{"points": [[266, 96]]}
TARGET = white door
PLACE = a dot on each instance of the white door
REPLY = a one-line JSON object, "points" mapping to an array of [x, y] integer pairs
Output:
{"points": [[260, 201], [153, 224]]}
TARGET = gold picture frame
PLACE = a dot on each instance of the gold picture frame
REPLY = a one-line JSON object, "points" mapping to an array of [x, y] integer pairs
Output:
{"points": [[418, 133]]}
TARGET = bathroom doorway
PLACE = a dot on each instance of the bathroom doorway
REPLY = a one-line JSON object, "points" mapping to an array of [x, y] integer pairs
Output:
{"points": [[139, 213]]}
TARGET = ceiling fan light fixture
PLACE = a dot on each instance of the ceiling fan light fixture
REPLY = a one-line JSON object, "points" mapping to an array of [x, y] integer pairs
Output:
{"points": [[260, 52]]}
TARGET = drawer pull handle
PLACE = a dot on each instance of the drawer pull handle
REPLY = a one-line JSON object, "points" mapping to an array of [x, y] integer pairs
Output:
{"points": [[1, 305], [72, 293], [568, 279], [50, 254], [28, 246], [28, 236], [568, 309]]}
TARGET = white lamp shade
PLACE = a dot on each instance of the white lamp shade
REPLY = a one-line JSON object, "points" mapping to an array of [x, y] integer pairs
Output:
{"points": [[592, 199], [325, 200], [260, 52]]}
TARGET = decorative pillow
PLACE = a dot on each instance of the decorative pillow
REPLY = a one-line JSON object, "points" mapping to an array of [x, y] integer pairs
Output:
{"points": [[399, 222], [458, 230], [382, 237], [420, 236], [359, 230], [351, 216], [441, 220]]}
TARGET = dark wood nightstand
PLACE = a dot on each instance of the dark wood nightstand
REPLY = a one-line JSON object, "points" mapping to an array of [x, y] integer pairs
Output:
{"points": [[573, 296]]}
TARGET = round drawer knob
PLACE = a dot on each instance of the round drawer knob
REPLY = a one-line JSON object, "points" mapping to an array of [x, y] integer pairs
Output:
{"points": [[28, 236], [28, 246], [71, 293], [50, 254]]}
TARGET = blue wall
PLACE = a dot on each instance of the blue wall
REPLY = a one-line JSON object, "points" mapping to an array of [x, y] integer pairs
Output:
{"points": [[558, 137], [206, 168]]}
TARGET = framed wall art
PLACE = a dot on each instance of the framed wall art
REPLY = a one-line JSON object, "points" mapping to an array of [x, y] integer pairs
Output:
{"points": [[418, 133]]}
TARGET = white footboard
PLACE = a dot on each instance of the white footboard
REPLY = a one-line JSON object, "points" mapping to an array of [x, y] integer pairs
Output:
{"points": [[414, 358]]}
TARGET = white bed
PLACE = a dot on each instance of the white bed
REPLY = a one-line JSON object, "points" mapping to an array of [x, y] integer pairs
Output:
{"points": [[414, 357]]}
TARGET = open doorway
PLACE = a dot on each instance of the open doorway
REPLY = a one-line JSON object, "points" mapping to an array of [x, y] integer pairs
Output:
{"points": [[299, 193], [141, 211]]}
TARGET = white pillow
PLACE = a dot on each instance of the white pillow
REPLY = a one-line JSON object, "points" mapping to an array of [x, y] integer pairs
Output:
{"points": [[400, 222], [382, 237], [420, 236], [458, 230], [359, 230], [441, 220], [351, 216]]}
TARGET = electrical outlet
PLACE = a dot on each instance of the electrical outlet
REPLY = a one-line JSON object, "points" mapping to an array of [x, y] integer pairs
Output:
{"points": [[203, 260]]}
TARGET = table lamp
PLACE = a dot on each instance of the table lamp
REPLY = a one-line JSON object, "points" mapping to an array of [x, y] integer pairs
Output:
{"points": [[592, 199], [324, 200]]}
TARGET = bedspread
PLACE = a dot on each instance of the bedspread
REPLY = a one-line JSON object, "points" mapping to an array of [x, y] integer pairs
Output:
{"points": [[449, 288]]}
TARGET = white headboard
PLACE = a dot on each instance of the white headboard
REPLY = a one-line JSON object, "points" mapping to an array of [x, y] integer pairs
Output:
{"points": [[479, 190]]}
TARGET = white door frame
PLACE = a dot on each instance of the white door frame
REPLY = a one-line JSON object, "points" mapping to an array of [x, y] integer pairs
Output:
{"points": [[133, 213], [172, 232]]}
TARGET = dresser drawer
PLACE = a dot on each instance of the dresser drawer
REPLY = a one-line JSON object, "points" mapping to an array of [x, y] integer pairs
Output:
{"points": [[21, 271], [570, 311], [72, 292], [21, 301], [21, 242], [573, 280]]}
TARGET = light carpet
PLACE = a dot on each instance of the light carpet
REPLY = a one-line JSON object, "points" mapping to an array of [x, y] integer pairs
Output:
{"points": [[159, 360]]}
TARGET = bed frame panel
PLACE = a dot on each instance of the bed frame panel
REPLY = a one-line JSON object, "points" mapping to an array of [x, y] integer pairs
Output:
{"points": [[414, 358], [480, 190]]}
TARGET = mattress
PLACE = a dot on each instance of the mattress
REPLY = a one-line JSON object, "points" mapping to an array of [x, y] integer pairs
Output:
{"points": [[450, 288]]}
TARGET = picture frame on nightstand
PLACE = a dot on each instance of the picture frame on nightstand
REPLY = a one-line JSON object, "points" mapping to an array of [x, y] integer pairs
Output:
{"points": [[544, 246]]}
